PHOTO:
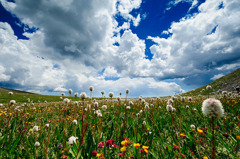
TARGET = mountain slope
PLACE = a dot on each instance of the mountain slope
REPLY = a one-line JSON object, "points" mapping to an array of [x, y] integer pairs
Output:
{"points": [[228, 83], [14, 90]]}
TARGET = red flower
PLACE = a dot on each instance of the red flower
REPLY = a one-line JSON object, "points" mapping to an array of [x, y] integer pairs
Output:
{"points": [[114, 145], [109, 143], [120, 155], [101, 144], [94, 153]]}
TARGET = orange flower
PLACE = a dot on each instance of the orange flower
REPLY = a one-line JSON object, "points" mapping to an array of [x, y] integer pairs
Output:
{"points": [[182, 135]]}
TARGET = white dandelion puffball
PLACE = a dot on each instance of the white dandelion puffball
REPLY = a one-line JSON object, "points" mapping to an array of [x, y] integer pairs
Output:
{"points": [[99, 115], [61, 98], [130, 103], [47, 125], [70, 91], [193, 126], [74, 122], [128, 107], [76, 94], [95, 104], [169, 108], [110, 94], [91, 88], [72, 139], [35, 129], [173, 109], [37, 144], [12, 102], [104, 107], [63, 94], [187, 106], [120, 93], [213, 108], [144, 123], [83, 95], [118, 98], [10, 93], [102, 92], [170, 101], [127, 91], [208, 87], [66, 100]]}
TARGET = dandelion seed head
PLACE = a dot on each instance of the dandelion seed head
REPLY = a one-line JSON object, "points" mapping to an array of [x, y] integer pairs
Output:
{"points": [[212, 108], [37, 144], [72, 139], [83, 95], [91, 88]]}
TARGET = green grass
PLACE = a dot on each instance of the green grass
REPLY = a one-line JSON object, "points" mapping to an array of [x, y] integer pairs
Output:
{"points": [[161, 132]]}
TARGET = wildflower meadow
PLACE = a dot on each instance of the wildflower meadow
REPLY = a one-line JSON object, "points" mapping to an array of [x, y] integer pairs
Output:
{"points": [[121, 127]]}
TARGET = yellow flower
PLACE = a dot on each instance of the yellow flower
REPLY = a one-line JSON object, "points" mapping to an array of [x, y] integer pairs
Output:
{"points": [[99, 155], [145, 148], [137, 145], [147, 129], [124, 142], [238, 137], [205, 157], [30, 130], [123, 149], [199, 130], [182, 135]]}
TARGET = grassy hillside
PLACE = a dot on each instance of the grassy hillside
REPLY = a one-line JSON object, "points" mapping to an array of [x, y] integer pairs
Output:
{"points": [[23, 97], [228, 83]]}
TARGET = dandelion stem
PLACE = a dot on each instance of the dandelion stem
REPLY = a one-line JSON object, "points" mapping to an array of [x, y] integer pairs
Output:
{"points": [[213, 140]]}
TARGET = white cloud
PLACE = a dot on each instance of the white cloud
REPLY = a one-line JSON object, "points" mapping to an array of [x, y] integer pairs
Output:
{"points": [[79, 39], [217, 76]]}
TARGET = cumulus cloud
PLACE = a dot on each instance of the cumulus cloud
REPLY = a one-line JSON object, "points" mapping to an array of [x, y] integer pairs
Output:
{"points": [[75, 43]]}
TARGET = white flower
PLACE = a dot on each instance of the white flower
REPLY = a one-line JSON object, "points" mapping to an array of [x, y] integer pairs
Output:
{"points": [[151, 105], [97, 111], [130, 103], [66, 100], [128, 107], [190, 98], [208, 87], [61, 98], [146, 106], [72, 139], [194, 109], [63, 94], [110, 94], [173, 109], [170, 101], [95, 104], [137, 114], [83, 95], [187, 106], [47, 125], [37, 144], [169, 108], [140, 111], [192, 126], [29, 100], [127, 91], [144, 123], [76, 94], [91, 88], [74, 122], [1, 105], [213, 108], [35, 129], [118, 98], [99, 115], [70, 91], [12, 102], [104, 107], [102, 92], [10, 93]]}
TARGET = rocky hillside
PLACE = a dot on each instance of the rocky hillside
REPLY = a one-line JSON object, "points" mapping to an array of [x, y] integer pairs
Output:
{"points": [[229, 83]]}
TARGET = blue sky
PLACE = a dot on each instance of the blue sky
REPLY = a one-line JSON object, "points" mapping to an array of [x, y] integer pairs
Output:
{"points": [[152, 47]]}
